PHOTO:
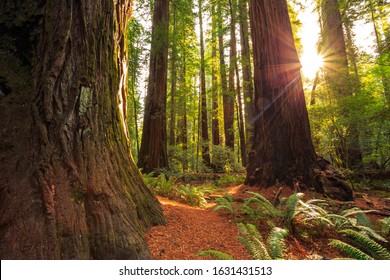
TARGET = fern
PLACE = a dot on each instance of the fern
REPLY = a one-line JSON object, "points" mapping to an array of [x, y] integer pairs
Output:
{"points": [[368, 245], [276, 243], [216, 254], [264, 206], [291, 206], [225, 203], [253, 241], [350, 250]]}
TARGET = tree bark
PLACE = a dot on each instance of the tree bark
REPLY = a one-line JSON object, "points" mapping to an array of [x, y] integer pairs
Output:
{"points": [[283, 149], [214, 79], [224, 88], [172, 121], [229, 97], [203, 101], [247, 83], [68, 186]]}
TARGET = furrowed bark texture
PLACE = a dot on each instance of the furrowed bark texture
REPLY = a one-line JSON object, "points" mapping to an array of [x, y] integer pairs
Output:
{"points": [[282, 140], [69, 188]]}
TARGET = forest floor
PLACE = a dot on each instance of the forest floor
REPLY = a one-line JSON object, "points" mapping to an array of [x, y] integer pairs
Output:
{"points": [[190, 230]]}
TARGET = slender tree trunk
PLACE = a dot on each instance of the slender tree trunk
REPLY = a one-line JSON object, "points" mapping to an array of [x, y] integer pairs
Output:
{"points": [[182, 133], [229, 97], [172, 121], [283, 146], [246, 72], [153, 151], [68, 186], [225, 94], [214, 79], [204, 120]]}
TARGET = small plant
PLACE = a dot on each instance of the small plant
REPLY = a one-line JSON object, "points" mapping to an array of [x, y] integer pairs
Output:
{"points": [[194, 195], [257, 207], [366, 248], [251, 238], [226, 203], [216, 254]]}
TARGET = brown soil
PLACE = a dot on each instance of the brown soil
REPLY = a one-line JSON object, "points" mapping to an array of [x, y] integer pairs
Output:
{"points": [[190, 230]]}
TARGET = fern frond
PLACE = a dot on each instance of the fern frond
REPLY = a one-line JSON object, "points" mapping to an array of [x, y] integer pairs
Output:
{"points": [[263, 203], [226, 203], [350, 250], [253, 241], [276, 242], [291, 206], [372, 233], [216, 254], [367, 244], [355, 211]]}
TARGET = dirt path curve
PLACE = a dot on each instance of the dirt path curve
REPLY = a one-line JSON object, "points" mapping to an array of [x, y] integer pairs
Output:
{"points": [[190, 230]]}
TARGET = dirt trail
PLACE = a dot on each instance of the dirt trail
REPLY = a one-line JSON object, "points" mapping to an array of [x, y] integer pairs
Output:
{"points": [[190, 230]]}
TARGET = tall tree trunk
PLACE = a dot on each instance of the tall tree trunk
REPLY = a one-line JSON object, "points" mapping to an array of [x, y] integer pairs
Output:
{"points": [[68, 186], [229, 97], [153, 151], [283, 146], [172, 121], [182, 126], [228, 128], [203, 105], [337, 71], [214, 79], [246, 72]]}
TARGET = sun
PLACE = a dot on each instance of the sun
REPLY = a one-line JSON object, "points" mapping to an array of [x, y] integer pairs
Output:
{"points": [[311, 63]]}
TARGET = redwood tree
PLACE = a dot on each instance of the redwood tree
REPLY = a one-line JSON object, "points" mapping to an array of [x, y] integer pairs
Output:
{"points": [[68, 186], [282, 140], [153, 151]]}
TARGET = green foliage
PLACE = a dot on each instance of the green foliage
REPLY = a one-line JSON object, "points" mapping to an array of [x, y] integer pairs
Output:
{"points": [[367, 248], [251, 238], [226, 203], [275, 242], [161, 185], [367, 244], [350, 250], [194, 195], [224, 160], [230, 180], [258, 206], [216, 254]]}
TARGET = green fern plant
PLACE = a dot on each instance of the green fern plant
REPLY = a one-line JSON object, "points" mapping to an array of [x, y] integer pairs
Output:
{"points": [[350, 250], [226, 203], [257, 207], [216, 254], [251, 238], [195, 196], [366, 246]]}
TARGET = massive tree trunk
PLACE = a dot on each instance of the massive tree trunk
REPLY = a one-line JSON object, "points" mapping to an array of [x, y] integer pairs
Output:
{"points": [[338, 78], [68, 186], [283, 147], [153, 152]]}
